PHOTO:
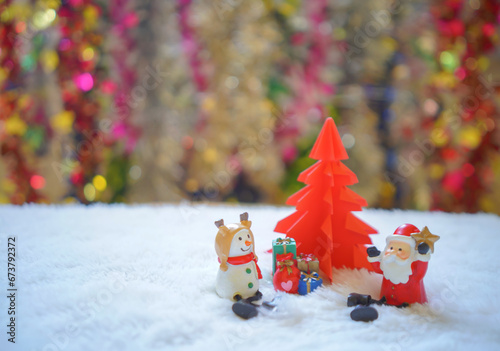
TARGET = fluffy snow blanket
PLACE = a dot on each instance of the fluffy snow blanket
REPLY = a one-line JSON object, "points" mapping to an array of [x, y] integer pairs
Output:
{"points": [[142, 278]]}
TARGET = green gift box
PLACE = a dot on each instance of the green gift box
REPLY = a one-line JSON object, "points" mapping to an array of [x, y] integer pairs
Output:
{"points": [[283, 246]]}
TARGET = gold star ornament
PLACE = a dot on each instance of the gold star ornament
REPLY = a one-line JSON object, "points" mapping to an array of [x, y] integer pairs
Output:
{"points": [[425, 236]]}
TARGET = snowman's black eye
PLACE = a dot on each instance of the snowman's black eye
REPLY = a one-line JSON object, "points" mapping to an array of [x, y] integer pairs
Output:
{"points": [[391, 247], [400, 249], [240, 238], [248, 236]]}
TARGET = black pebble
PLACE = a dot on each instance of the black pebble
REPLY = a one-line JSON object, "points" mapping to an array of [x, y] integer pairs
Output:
{"points": [[244, 310], [364, 314]]}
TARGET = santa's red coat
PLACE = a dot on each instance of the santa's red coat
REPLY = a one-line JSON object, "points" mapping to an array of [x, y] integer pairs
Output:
{"points": [[411, 292]]}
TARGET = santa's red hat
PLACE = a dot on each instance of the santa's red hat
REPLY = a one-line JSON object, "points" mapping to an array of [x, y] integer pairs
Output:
{"points": [[403, 233]]}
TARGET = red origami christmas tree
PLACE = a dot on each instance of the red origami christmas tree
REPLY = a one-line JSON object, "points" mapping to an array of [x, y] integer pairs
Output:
{"points": [[323, 223]]}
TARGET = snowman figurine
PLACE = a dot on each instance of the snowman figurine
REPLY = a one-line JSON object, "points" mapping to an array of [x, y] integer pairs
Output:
{"points": [[238, 275]]}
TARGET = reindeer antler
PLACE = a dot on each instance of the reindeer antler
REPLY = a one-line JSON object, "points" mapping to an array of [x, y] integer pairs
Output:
{"points": [[244, 220], [219, 223]]}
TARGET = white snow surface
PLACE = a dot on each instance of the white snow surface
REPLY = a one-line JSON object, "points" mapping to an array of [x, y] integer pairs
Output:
{"points": [[141, 277]]}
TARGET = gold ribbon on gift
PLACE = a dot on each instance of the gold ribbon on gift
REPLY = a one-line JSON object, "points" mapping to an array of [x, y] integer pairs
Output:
{"points": [[286, 264], [306, 257], [308, 277], [284, 242]]}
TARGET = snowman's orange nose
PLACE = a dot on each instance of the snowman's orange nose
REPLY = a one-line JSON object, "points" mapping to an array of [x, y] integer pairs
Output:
{"points": [[248, 243]]}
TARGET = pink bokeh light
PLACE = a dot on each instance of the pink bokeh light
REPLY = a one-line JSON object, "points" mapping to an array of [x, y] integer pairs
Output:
{"points": [[84, 81]]}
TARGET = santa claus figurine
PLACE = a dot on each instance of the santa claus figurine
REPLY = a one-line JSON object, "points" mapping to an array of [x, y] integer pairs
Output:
{"points": [[403, 264]]}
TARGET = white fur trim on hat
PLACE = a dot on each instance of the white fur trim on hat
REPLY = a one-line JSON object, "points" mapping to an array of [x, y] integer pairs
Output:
{"points": [[374, 259], [423, 258], [403, 238]]}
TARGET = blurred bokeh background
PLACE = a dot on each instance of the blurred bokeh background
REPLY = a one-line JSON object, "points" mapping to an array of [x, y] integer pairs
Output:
{"points": [[221, 100]]}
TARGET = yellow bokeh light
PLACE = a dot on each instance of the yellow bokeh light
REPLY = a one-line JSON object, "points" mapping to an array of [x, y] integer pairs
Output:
{"points": [[389, 43], [63, 121], [3, 75], [210, 155], [52, 4], [88, 54], [483, 63], [267, 105], [90, 14], [43, 19], [89, 192], [444, 80], [427, 43], [24, 101], [8, 185], [470, 137], [401, 72], [50, 60], [286, 9], [191, 185], [388, 189], [4, 199], [439, 137], [208, 104], [99, 182], [50, 15], [436, 171], [487, 205], [6, 15], [15, 126], [69, 200], [339, 33], [16, 11]]}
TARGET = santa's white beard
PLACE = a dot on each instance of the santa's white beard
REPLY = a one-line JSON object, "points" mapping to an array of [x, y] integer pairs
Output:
{"points": [[396, 270]]}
